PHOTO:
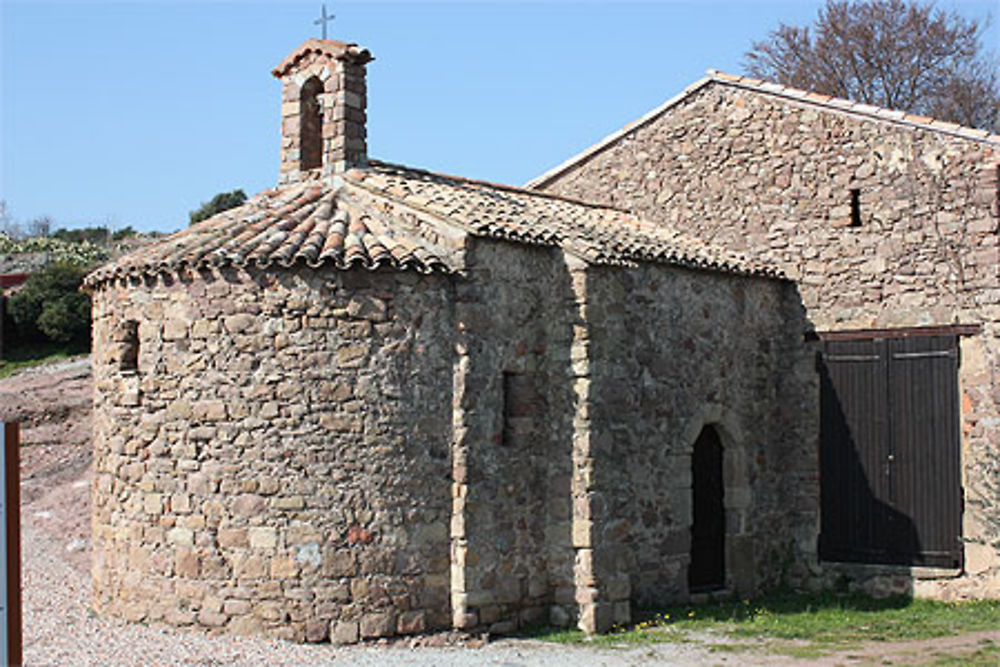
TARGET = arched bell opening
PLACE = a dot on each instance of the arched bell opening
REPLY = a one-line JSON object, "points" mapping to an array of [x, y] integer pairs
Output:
{"points": [[310, 125]]}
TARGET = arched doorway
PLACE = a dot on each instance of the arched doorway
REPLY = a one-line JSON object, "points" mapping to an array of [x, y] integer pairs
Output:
{"points": [[707, 570]]}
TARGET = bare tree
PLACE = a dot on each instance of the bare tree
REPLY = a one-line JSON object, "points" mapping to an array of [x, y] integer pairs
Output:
{"points": [[40, 226], [890, 53], [8, 226]]}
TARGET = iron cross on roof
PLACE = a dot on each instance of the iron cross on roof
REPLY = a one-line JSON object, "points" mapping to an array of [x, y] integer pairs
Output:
{"points": [[323, 20]]}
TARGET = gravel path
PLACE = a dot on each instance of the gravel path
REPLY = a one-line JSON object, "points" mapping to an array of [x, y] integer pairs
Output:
{"points": [[60, 630]]}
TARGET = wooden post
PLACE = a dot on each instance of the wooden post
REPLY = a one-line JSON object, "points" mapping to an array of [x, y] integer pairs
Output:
{"points": [[2, 310], [10, 605]]}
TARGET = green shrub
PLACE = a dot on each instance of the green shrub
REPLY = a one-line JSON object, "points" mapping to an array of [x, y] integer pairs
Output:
{"points": [[58, 249], [219, 203], [51, 305], [96, 235]]}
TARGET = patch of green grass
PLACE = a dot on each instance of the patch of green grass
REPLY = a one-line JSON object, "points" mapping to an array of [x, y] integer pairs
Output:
{"points": [[802, 625], [833, 618], [19, 358], [807, 651], [730, 648]]}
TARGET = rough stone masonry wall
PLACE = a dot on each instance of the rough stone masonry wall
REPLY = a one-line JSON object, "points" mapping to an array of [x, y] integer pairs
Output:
{"points": [[759, 173], [513, 558], [279, 462], [673, 351], [756, 173]]}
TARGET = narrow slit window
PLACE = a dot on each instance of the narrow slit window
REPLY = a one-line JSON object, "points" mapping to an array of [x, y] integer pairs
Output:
{"points": [[129, 362], [310, 125], [507, 436], [855, 207]]}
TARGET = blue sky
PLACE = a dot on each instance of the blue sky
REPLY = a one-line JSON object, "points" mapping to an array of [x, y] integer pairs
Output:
{"points": [[133, 113]]}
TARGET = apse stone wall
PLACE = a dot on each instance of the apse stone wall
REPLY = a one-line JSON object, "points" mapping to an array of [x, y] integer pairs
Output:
{"points": [[672, 351], [771, 176], [278, 463]]}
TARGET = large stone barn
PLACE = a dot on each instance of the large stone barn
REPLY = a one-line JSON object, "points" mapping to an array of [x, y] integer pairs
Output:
{"points": [[377, 400], [888, 224]]}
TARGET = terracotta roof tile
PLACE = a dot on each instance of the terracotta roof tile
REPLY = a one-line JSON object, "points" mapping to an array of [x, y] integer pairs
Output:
{"points": [[327, 47], [892, 114], [722, 76], [945, 125], [365, 221], [812, 97], [597, 234], [304, 224]]}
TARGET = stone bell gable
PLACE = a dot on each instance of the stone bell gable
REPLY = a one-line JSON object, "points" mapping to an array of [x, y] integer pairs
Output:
{"points": [[323, 104]]}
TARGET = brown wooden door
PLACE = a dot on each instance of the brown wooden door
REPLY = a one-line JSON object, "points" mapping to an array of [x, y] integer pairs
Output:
{"points": [[889, 451]]}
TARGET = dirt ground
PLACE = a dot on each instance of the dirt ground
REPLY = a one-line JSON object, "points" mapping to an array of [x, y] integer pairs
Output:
{"points": [[53, 405]]}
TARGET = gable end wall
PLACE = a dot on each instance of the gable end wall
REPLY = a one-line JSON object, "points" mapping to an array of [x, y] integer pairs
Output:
{"points": [[773, 177]]}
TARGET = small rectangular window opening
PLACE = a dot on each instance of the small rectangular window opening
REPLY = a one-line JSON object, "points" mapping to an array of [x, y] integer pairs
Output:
{"points": [[523, 405], [855, 207], [507, 436], [130, 347]]}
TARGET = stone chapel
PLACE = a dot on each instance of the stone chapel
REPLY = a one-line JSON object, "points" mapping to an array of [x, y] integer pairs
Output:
{"points": [[376, 400]]}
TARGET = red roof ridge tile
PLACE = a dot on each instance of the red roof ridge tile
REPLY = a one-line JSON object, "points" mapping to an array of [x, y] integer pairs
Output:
{"points": [[330, 47]]}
